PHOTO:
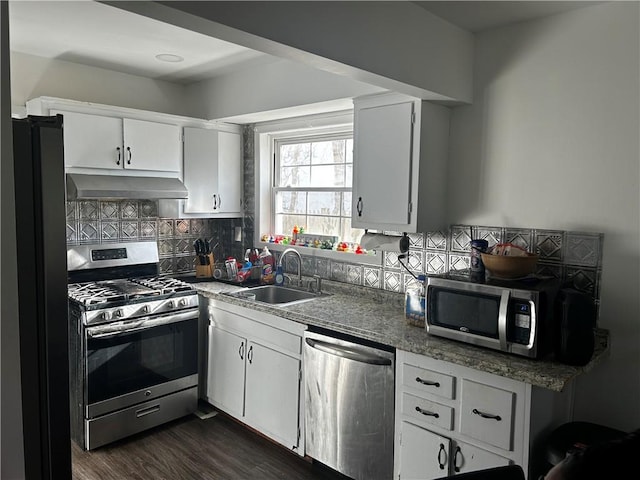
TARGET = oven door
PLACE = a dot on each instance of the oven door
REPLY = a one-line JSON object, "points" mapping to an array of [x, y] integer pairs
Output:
{"points": [[134, 361]]}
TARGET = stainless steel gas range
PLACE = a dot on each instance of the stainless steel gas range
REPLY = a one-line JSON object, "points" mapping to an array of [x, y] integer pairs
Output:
{"points": [[133, 342]]}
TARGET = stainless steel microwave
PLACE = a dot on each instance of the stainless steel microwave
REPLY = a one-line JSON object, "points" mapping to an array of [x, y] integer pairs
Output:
{"points": [[509, 316]]}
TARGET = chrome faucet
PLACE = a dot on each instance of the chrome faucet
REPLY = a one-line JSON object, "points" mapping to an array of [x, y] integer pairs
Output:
{"points": [[294, 251]]}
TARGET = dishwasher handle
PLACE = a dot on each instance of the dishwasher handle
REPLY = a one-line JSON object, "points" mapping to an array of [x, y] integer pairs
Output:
{"points": [[349, 353]]}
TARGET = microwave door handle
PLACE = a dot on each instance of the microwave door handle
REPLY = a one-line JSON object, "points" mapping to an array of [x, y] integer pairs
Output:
{"points": [[502, 319]]}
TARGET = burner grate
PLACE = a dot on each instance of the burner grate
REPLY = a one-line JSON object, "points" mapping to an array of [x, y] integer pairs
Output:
{"points": [[165, 285]]}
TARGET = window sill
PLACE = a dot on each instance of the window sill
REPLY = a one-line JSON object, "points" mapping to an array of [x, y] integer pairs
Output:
{"points": [[369, 259]]}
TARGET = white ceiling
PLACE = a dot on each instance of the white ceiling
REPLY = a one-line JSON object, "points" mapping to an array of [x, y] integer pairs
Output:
{"points": [[99, 35]]}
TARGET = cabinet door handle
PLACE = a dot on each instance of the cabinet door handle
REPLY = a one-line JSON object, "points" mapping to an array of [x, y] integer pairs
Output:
{"points": [[429, 383], [359, 206], [241, 351], [250, 354], [456, 466], [215, 201], [129, 159], [119, 153], [486, 415], [442, 452], [427, 413]]}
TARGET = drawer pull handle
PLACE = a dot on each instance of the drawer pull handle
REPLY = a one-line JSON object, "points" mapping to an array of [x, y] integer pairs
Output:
{"points": [[442, 451], [427, 413], [147, 411], [456, 466], [486, 415], [428, 383]]}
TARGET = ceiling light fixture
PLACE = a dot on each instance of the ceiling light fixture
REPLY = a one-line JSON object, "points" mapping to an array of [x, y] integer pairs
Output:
{"points": [[169, 57]]}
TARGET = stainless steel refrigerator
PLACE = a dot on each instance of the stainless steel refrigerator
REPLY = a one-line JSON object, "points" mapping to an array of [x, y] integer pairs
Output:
{"points": [[42, 295]]}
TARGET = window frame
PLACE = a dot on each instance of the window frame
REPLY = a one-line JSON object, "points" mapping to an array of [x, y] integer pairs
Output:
{"points": [[265, 135]]}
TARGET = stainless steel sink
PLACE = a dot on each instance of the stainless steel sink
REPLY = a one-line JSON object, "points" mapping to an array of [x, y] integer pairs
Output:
{"points": [[276, 295]]}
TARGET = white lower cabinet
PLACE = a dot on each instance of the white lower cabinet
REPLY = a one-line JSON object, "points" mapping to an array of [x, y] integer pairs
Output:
{"points": [[452, 419], [254, 371]]}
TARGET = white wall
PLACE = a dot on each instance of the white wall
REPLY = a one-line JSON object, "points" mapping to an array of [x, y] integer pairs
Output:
{"points": [[33, 77], [279, 84], [551, 141]]}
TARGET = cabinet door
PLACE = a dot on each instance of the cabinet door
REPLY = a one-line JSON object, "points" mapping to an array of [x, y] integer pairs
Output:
{"points": [[226, 370], [382, 166], [152, 146], [467, 458], [229, 172], [423, 454], [200, 169], [92, 141], [272, 393]]}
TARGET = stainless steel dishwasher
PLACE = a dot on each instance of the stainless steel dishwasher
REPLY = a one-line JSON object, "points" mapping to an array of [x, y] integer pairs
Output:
{"points": [[349, 399]]}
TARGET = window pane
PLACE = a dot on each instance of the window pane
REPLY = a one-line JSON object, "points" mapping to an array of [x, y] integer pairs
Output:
{"points": [[324, 203], [291, 202], [349, 150], [295, 176], [285, 223], [328, 152], [349, 175], [349, 234], [323, 225], [327, 176], [296, 154], [346, 204]]}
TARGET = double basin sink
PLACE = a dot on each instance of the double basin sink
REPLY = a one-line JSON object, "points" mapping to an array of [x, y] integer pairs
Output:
{"points": [[275, 295]]}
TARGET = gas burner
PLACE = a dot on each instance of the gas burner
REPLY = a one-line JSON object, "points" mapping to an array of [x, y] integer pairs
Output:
{"points": [[109, 291], [164, 284]]}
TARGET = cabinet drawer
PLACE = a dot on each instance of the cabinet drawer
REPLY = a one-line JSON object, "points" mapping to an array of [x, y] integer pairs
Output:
{"points": [[427, 411], [428, 381], [486, 413]]}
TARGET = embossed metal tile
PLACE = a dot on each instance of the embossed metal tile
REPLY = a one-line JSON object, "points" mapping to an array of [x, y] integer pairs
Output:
{"points": [[550, 270], [88, 210], [129, 230], [410, 282], [549, 245], [437, 240], [583, 279], [416, 240], [323, 267], [184, 264], [391, 260], [521, 237], [459, 262], [72, 233], [308, 265], [338, 271], [72, 212], [148, 229], [371, 277], [165, 247], [129, 209], [109, 210], [182, 227], [109, 231], [197, 226], [436, 263], [392, 281], [184, 246], [165, 228], [583, 249], [354, 274], [493, 235], [414, 261], [166, 265], [88, 231], [460, 238], [147, 208]]}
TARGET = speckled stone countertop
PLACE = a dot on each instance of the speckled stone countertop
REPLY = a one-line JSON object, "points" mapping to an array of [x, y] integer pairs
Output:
{"points": [[378, 315]]}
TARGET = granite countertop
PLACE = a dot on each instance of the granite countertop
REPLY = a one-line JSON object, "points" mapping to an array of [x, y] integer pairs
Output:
{"points": [[378, 315]]}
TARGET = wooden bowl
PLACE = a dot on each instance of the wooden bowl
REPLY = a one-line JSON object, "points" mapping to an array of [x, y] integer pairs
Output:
{"points": [[506, 266]]}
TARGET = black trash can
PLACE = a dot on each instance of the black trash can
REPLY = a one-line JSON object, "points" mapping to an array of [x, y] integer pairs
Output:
{"points": [[574, 436]]}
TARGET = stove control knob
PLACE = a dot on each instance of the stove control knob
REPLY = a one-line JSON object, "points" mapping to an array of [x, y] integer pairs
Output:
{"points": [[118, 313], [105, 316], [171, 304], [146, 309], [183, 302]]}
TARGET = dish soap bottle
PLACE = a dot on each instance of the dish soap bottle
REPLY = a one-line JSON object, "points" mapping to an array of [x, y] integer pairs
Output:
{"points": [[414, 307], [268, 262]]}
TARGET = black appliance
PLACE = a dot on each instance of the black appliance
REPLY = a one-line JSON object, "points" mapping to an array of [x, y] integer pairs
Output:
{"points": [[42, 295], [575, 319], [134, 342]]}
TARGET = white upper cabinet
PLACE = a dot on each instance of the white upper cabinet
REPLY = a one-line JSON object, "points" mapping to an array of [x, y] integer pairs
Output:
{"points": [[400, 155], [213, 171], [105, 142]]}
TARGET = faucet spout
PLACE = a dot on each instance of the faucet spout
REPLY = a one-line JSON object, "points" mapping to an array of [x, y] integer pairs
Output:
{"points": [[297, 254]]}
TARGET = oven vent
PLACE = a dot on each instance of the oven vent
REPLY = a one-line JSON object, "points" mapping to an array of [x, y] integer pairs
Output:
{"points": [[83, 186]]}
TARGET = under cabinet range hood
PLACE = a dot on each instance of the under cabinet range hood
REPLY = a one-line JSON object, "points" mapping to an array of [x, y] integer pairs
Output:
{"points": [[83, 186]]}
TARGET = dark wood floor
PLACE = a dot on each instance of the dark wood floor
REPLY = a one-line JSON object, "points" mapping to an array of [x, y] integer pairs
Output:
{"points": [[217, 448]]}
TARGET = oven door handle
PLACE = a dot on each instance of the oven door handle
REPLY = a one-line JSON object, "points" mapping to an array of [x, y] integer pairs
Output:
{"points": [[123, 328]]}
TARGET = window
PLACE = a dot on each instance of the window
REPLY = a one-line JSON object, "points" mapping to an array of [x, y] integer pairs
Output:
{"points": [[312, 185]]}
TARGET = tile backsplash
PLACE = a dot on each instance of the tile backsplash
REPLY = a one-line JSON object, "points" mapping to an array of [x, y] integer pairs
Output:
{"points": [[107, 221]]}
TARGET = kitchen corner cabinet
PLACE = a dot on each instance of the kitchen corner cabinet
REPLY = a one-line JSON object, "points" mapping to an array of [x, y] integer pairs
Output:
{"points": [[253, 373], [122, 144], [452, 419], [213, 171], [399, 164]]}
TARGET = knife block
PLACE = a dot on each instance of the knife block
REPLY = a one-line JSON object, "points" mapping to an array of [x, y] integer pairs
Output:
{"points": [[204, 271]]}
